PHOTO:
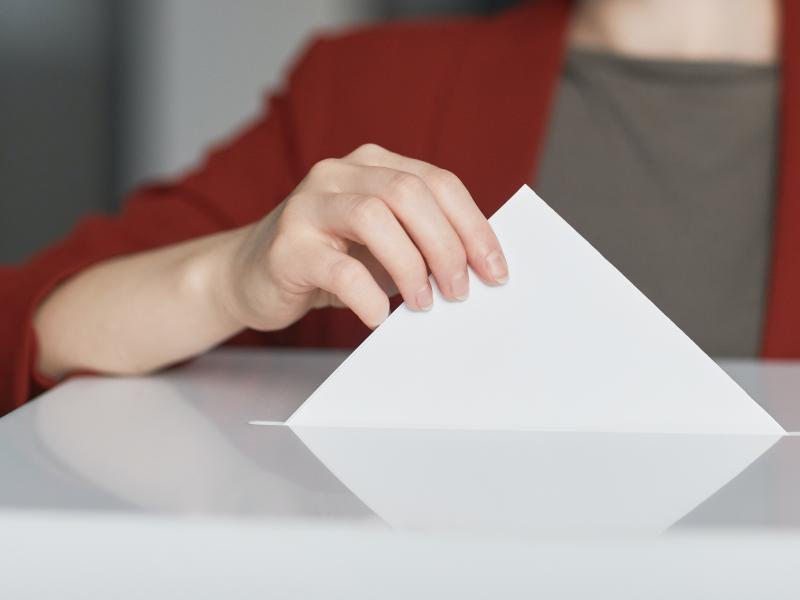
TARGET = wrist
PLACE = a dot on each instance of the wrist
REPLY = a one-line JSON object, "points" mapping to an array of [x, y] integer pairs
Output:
{"points": [[207, 275]]}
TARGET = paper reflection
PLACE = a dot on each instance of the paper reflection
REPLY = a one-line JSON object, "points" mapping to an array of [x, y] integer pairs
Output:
{"points": [[765, 495], [527, 482], [165, 451]]}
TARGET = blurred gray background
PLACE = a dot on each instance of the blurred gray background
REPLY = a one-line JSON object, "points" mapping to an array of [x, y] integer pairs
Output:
{"points": [[97, 96]]}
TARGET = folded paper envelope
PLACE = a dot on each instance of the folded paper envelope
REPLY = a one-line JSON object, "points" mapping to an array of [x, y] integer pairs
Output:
{"points": [[569, 344]]}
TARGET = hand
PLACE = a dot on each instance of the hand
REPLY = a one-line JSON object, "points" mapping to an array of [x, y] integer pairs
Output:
{"points": [[355, 231]]}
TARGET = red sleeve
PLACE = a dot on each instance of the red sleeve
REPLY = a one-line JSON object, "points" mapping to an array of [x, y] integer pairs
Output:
{"points": [[239, 182], [345, 91]]}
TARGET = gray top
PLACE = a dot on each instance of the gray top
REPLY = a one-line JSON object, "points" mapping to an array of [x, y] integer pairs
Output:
{"points": [[668, 169]]}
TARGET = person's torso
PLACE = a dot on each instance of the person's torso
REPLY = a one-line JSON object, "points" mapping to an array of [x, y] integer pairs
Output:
{"points": [[668, 169]]}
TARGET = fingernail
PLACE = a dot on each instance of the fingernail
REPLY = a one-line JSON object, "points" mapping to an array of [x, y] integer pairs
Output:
{"points": [[424, 298], [459, 285], [498, 268]]}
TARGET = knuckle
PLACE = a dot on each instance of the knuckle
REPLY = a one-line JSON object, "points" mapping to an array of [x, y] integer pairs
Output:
{"points": [[344, 274], [444, 181], [453, 256], [404, 186], [409, 268], [416, 270], [481, 239], [368, 211], [369, 150], [322, 169]]}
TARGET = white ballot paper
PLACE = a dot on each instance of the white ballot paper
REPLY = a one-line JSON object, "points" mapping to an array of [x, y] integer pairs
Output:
{"points": [[568, 344]]}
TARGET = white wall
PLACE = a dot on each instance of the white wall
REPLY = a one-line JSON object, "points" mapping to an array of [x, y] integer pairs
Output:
{"points": [[199, 68]]}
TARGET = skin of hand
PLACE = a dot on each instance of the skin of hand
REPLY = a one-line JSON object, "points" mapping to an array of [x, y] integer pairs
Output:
{"points": [[356, 230]]}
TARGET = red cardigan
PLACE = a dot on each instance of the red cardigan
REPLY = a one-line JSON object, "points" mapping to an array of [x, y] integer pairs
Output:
{"points": [[471, 95]]}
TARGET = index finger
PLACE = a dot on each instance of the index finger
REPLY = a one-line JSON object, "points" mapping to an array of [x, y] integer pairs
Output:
{"points": [[484, 252]]}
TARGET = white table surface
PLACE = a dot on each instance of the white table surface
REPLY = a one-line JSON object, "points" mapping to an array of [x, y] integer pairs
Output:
{"points": [[162, 483]]}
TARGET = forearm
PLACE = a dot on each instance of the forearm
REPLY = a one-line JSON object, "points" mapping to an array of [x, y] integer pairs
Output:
{"points": [[138, 313], [354, 230]]}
